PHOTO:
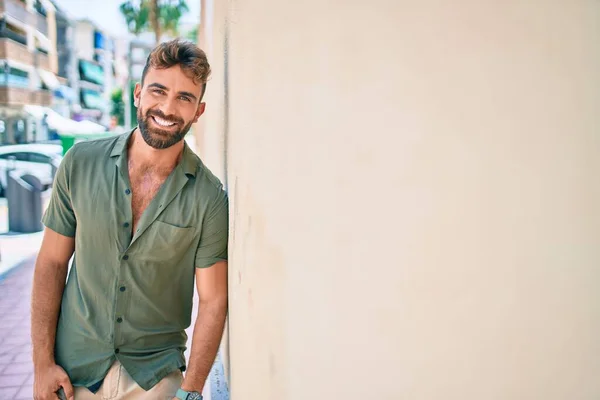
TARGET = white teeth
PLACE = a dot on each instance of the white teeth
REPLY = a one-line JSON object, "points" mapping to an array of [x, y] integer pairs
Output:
{"points": [[162, 122]]}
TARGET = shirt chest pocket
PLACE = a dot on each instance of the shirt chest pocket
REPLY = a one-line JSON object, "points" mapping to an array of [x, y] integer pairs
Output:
{"points": [[168, 243]]}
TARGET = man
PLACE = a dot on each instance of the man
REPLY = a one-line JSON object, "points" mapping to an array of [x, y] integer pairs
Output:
{"points": [[143, 216]]}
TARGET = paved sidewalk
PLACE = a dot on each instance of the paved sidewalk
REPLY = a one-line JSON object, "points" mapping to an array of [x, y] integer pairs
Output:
{"points": [[15, 248], [16, 367]]}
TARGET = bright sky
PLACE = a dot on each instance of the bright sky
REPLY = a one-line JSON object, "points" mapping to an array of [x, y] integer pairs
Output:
{"points": [[106, 14]]}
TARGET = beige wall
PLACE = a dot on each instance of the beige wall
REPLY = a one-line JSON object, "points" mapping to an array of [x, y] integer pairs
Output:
{"points": [[414, 195]]}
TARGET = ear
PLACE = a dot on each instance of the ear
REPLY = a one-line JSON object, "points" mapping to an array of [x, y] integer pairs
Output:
{"points": [[199, 111], [137, 92]]}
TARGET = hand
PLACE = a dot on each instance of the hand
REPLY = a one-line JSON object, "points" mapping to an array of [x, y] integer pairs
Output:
{"points": [[48, 380]]}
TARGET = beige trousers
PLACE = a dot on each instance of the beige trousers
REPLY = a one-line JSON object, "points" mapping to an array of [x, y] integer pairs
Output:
{"points": [[119, 385]]}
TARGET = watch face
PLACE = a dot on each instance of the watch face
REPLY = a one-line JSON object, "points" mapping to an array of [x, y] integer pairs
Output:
{"points": [[194, 396]]}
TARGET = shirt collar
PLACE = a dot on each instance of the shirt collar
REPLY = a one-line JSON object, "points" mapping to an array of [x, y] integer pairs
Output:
{"points": [[189, 160]]}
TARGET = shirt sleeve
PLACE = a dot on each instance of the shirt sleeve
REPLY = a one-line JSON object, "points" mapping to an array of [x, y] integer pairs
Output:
{"points": [[215, 233], [59, 215]]}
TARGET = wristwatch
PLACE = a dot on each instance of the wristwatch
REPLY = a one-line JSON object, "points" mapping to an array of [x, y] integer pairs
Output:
{"points": [[183, 395]]}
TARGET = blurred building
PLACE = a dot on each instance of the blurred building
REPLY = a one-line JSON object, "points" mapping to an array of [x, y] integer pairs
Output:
{"points": [[96, 73], [28, 63], [65, 98]]}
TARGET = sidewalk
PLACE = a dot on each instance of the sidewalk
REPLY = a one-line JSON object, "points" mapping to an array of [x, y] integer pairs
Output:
{"points": [[18, 253], [16, 367], [15, 248]]}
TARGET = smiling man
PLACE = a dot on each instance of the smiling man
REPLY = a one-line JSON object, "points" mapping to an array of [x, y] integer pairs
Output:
{"points": [[144, 217]]}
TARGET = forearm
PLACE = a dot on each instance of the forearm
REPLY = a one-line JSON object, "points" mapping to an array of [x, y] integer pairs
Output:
{"points": [[48, 287], [206, 339]]}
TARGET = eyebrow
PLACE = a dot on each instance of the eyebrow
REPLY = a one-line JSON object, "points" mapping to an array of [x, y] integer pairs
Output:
{"points": [[163, 87]]}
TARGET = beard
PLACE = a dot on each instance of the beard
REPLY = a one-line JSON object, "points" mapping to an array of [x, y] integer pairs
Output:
{"points": [[161, 138]]}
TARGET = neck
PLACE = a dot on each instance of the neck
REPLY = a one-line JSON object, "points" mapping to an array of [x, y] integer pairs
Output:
{"points": [[158, 159]]}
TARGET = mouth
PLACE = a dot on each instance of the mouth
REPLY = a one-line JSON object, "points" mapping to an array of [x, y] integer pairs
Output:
{"points": [[163, 123]]}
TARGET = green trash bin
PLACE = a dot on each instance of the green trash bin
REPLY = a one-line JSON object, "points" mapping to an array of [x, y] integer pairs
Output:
{"points": [[68, 140]]}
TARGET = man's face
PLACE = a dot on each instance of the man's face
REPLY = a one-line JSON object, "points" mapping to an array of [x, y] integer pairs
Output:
{"points": [[167, 106]]}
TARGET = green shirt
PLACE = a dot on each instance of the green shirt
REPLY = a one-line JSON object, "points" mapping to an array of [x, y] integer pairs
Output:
{"points": [[130, 296]]}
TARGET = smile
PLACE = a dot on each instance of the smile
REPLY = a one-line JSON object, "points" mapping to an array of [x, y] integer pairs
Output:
{"points": [[162, 122]]}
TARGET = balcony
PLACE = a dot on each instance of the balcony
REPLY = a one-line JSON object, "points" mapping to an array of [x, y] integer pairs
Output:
{"points": [[19, 96], [41, 97], [15, 9], [10, 31], [11, 50]]}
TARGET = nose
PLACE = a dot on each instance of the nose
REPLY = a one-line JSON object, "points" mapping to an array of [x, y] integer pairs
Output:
{"points": [[168, 107]]}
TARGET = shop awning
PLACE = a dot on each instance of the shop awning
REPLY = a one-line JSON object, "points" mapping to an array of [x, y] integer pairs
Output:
{"points": [[49, 79], [62, 124], [65, 92]]}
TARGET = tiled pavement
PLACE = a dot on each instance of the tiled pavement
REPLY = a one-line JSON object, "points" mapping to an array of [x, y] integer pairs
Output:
{"points": [[16, 368]]}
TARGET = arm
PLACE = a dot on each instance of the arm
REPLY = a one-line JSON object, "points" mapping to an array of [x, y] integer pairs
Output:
{"points": [[212, 288], [49, 279], [211, 283], [48, 285]]}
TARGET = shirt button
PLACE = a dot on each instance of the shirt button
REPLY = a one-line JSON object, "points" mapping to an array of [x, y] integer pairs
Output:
{"points": [[122, 288], [126, 224], [117, 351], [119, 320], [127, 191], [125, 257]]}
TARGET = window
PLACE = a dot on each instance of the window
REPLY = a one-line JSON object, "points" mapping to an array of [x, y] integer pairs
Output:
{"points": [[8, 30], [39, 158], [17, 156], [92, 99], [14, 77], [91, 72]]}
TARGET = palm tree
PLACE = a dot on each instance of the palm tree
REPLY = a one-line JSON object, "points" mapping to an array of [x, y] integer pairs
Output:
{"points": [[158, 16]]}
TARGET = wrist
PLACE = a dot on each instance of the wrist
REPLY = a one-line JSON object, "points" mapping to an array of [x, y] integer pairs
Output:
{"points": [[43, 362], [191, 386], [183, 394]]}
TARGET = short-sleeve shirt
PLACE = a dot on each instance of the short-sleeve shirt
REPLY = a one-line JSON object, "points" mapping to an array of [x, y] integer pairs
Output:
{"points": [[129, 295]]}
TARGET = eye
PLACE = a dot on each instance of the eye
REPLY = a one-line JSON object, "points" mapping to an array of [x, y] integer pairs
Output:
{"points": [[158, 91], [185, 98]]}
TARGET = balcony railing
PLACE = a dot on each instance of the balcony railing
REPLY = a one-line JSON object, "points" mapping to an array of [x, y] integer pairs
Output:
{"points": [[20, 96], [11, 50], [41, 97], [15, 9]]}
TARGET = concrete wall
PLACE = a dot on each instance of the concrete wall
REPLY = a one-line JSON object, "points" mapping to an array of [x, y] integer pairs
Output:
{"points": [[414, 195]]}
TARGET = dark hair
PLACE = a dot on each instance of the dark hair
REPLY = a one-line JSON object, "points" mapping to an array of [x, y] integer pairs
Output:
{"points": [[186, 54]]}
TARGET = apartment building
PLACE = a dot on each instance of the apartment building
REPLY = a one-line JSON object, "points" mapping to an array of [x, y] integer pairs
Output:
{"points": [[28, 64], [97, 74], [65, 98]]}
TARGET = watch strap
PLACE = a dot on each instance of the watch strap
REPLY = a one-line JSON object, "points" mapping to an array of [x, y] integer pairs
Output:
{"points": [[183, 395]]}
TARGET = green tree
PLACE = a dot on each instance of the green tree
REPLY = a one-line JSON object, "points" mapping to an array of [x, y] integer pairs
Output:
{"points": [[158, 16], [192, 35], [117, 106]]}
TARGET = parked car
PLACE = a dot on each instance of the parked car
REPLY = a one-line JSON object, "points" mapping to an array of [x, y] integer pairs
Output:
{"points": [[34, 158]]}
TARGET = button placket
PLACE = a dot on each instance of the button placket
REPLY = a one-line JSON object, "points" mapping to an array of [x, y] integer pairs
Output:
{"points": [[121, 306]]}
